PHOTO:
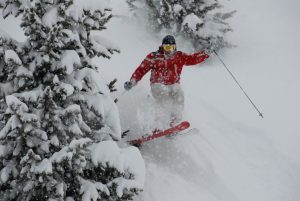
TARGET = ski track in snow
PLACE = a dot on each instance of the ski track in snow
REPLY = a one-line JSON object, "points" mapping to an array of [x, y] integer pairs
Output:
{"points": [[235, 155]]}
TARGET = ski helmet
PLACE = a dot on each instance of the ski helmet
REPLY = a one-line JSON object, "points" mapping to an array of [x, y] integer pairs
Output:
{"points": [[169, 40]]}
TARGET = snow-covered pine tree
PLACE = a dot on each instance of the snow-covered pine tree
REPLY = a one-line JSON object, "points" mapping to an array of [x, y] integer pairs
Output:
{"points": [[57, 140], [10, 80], [195, 20]]}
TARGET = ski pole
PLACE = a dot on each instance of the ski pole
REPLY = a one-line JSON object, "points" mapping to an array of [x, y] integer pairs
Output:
{"points": [[260, 114], [122, 94]]}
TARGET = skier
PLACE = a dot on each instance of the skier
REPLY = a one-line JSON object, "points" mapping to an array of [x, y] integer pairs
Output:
{"points": [[166, 66]]}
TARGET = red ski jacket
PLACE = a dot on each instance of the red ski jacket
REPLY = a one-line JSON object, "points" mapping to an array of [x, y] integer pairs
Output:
{"points": [[167, 70]]}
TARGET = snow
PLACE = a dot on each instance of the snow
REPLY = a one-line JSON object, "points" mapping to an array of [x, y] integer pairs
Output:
{"points": [[4, 35], [11, 124], [92, 4], [30, 96], [15, 104], [6, 88], [96, 83], [192, 20], [69, 59], [177, 8], [134, 163], [28, 186], [3, 150], [45, 166], [124, 160], [71, 36], [4, 174], [67, 152], [27, 117], [79, 143], [67, 88], [12, 29], [89, 190], [71, 109], [50, 18], [109, 110], [29, 155], [63, 154], [60, 189], [107, 152], [77, 8], [55, 79], [100, 100], [54, 141], [211, 28], [235, 155], [22, 71], [75, 129], [101, 44], [11, 55]]}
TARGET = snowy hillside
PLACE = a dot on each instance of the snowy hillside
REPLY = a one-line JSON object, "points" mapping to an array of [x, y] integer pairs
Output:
{"points": [[235, 155]]}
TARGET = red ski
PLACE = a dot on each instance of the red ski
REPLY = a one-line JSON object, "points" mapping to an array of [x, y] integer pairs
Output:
{"points": [[156, 134]]}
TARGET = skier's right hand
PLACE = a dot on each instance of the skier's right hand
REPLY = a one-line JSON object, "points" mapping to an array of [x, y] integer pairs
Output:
{"points": [[129, 84]]}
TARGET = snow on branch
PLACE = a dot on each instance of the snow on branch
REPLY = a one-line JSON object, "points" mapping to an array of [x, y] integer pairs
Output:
{"points": [[4, 150], [69, 59], [124, 160], [30, 96], [44, 166], [89, 190], [51, 17], [14, 104], [103, 46], [6, 88], [4, 174], [11, 124], [104, 105], [67, 152], [11, 56], [4, 35], [78, 7]]}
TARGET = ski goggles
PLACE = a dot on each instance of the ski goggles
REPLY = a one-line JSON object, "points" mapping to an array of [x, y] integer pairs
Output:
{"points": [[169, 48]]}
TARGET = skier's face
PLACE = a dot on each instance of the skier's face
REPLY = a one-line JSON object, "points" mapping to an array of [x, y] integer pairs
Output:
{"points": [[169, 48]]}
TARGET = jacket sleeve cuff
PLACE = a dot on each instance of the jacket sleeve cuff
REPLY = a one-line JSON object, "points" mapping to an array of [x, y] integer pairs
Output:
{"points": [[133, 81]]}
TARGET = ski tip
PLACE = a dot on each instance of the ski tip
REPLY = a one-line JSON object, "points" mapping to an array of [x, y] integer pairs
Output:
{"points": [[186, 123]]}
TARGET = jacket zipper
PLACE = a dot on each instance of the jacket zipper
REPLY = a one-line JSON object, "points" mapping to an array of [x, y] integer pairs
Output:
{"points": [[176, 73], [165, 72]]}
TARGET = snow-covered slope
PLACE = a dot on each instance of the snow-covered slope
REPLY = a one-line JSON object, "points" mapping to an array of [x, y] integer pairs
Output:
{"points": [[236, 155]]}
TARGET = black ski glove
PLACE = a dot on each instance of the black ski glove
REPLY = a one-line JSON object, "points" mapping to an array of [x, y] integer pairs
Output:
{"points": [[129, 84]]}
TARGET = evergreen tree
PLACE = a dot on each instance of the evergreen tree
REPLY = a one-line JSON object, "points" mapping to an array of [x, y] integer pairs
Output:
{"points": [[195, 20], [59, 122]]}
